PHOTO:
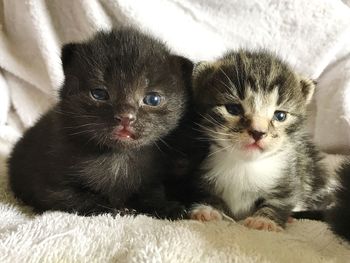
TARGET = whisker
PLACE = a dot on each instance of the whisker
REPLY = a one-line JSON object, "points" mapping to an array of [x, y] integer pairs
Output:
{"points": [[232, 94], [205, 139], [215, 122], [233, 86], [74, 114], [238, 78], [212, 135], [232, 149], [81, 132], [104, 206], [222, 139], [83, 125], [91, 138], [155, 143], [220, 150], [226, 86], [229, 80], [210, 130], [171, 148], [165, 143], [100, 141]]}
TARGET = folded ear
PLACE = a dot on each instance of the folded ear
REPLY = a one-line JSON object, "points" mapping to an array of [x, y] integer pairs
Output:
{"points": [[307, 87], [71, 82], [67, 53], [202, 74], [202, 71], [186, 67]]}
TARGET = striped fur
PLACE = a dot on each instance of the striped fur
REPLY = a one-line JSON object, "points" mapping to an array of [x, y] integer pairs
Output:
{"points": [[282, 171]]}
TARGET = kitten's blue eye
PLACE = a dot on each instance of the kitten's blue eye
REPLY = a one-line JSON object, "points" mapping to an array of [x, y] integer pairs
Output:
{"points": [[234, 109], [152, 99], [280, 116], [99, 94]]}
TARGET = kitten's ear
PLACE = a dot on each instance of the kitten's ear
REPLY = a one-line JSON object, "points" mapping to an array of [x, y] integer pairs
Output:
{"points": [[202, 74], [185, 63], [71, 82], [67, 54], [186, 67], [307, 87]]}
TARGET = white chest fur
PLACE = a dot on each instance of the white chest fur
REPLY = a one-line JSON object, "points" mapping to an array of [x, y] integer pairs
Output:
{"points": [[240, 182]]}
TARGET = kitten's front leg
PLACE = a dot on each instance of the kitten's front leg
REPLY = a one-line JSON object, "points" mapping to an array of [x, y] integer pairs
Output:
{"points": [[153, 201], [74, 200], [268, 217]]}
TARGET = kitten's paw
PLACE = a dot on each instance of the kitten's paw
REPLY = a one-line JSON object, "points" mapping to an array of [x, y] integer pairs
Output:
{"points": [[262, 223], [205, 213], [291, 220], [175, 211]]}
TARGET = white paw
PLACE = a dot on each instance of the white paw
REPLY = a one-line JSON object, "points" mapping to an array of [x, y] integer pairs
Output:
{"points": [[262, 223], [205, 213]]}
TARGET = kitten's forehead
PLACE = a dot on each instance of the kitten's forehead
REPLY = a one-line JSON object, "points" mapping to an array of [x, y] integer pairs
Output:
{"points": [[124, 53], [259, 80], [127, 61], [260, 101]]}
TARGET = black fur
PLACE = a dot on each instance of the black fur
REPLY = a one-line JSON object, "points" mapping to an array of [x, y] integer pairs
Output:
{"points": [[339, 216], [309, 214], [70, 160]]}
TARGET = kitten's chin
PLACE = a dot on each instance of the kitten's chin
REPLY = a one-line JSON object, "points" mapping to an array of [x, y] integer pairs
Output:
{"points": [[253, 147], [257, 151], [253, 151], [128, 141], [125, 143], [124, 138], [124, 135], [251, 154]]}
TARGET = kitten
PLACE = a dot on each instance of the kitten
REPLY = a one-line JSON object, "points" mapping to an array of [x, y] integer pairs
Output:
{"points": [[261, 165], [103, 148]]}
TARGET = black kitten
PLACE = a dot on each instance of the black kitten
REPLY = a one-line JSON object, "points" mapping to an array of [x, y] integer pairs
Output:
{"points": [[105, 146]]}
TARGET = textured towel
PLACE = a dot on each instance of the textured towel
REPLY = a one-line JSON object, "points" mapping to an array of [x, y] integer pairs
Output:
{"points": [[313, 36], [62, 237]]}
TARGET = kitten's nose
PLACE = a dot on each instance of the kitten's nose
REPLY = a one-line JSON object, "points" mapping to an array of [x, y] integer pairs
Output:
{"points": [[125, 119], [257, 135]]}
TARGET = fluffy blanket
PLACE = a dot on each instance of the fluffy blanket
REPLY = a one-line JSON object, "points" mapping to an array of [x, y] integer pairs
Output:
{"points": [[313, 36], [61, 237]]}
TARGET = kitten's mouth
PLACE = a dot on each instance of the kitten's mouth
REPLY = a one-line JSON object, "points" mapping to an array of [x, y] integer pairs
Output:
{"points": [[254, 147], [124, 134]]}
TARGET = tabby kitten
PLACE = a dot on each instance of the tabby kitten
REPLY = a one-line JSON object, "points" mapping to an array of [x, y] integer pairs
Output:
{"points": [[104, 147], [261, 163]]}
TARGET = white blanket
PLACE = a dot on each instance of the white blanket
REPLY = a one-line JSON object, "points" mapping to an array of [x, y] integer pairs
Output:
{"points": [[61, 237], [313, 36]]}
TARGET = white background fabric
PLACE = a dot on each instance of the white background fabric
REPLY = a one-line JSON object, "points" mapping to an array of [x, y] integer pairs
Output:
{"points": [[313, 36]]}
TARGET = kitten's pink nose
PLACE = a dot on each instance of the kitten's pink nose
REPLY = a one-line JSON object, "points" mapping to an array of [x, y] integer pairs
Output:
{"points": [[125, 119], [257, 135]]}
